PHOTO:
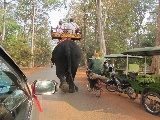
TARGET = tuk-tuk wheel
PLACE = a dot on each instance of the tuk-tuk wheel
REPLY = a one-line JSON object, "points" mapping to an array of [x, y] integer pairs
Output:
{"points": [[152, 102]]}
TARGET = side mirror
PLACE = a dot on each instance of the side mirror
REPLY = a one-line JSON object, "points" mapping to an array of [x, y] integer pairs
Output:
{"points": [[44, 87]]}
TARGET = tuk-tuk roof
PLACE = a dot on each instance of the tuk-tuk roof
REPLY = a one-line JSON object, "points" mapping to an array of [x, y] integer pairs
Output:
{"points": [[147, 51], [121, 56]]}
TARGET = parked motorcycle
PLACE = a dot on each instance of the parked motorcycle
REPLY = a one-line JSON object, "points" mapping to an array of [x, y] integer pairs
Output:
{"points": [[120, 84]]}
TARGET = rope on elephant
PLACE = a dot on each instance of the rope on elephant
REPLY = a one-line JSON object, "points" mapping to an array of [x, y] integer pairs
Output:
{"points": [[63, 39]]}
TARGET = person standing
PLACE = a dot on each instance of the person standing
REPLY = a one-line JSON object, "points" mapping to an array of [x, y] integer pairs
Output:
{"points": [[110, 66], [105, 68], [72, 27]]}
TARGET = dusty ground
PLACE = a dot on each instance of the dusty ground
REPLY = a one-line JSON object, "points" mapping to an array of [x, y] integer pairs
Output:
{"points": [[135, 114], [31, 70]]}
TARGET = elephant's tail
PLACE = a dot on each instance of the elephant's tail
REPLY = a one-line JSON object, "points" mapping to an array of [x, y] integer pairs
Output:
{"points": [[68, 55]]}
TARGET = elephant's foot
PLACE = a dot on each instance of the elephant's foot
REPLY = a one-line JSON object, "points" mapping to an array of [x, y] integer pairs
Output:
{"points": [[60, 85], [65, 87], [71, 90], [76, 88]]}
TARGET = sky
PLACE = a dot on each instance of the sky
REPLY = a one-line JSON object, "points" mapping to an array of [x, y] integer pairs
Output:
{"points": [[55, 16]]}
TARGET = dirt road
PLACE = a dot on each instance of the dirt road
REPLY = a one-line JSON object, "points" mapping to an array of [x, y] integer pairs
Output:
{"points": [[83, 105]]}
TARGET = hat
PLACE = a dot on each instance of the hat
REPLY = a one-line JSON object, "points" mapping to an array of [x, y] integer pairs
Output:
{"points": [[96, 55]]}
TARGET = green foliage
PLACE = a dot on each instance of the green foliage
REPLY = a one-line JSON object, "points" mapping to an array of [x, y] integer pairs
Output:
{"points": [[19, 30], [18, 51], [124, 26], [42, 53]]}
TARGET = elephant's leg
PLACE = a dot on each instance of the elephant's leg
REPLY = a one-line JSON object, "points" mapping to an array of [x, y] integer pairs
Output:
{"points": [[62, 81], [74, 74], [63, 84], [67, 77], [70, 82], [60, 74], [72, 86]]}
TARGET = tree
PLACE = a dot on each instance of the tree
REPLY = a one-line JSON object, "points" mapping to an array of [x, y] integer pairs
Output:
{"points": [[20, 28], [155, 66]]}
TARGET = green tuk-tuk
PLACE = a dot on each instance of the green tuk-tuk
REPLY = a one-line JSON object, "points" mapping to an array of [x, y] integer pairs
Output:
{"points": [[146, 84]]}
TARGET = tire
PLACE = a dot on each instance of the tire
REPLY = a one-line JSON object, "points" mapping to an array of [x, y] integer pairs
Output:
{"points": [[131, 93], [152, 102], [97, 92], [111, 87]]}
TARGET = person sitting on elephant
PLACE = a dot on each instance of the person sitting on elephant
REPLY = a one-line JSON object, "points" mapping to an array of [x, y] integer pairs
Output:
{"points": [[72, 27], [60, 27], [96, 66]]}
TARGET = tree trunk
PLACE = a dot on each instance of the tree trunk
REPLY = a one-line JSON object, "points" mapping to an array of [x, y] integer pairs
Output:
{"points": [[100, 28], [84, 37], [4, 22], [32, 41], [155, 66]]}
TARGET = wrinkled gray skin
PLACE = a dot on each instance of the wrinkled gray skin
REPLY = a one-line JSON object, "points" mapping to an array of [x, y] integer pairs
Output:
{"points": [[67, 56]]}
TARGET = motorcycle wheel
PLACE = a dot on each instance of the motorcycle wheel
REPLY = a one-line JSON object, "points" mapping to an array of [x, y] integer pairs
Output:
{"points": [[131, 93], [111, 87], [152, 102]]}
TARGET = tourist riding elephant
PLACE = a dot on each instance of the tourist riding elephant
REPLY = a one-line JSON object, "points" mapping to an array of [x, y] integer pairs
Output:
{"points": [[66, 56]]}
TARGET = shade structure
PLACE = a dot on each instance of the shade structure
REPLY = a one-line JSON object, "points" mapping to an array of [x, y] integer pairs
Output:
{"points": [[122, 56], [147, 51]]}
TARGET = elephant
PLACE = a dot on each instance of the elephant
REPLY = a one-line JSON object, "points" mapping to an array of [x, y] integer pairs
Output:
{"points": [[66, 56]]}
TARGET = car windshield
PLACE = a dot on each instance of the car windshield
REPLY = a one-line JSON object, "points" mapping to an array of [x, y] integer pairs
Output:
{"points": [[7, 79]]}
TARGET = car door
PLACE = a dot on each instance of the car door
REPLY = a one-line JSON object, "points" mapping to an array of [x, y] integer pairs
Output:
{"points": [[16, 102]]}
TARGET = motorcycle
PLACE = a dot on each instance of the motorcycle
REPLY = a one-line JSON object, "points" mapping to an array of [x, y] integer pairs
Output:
{"points": [[120, 84]]}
